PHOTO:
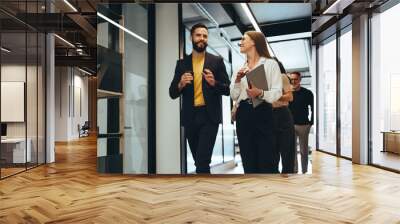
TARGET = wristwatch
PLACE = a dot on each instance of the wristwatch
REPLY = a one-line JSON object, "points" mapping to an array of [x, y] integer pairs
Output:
{"points": [[261, 95]]}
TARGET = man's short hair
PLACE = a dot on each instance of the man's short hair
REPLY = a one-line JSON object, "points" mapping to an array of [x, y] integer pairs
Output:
{"points": [[297, 73], [197, 25]]}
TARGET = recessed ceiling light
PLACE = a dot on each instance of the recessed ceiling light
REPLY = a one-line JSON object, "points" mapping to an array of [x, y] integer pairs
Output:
{"points": [[65, 41], [70, 5], [254, 23], [122, 28], [86, 72], [334, 7], [5, 50]]}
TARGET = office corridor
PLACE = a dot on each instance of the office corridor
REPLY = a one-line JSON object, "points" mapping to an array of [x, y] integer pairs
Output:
{"points": [[71, 191]]}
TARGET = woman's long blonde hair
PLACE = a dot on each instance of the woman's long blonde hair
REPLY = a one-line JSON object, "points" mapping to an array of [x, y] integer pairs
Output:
{"points": [[260, 43]]}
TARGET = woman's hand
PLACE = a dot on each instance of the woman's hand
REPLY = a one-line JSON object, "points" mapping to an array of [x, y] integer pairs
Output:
{"points": [[241, 73], [254, 92]]}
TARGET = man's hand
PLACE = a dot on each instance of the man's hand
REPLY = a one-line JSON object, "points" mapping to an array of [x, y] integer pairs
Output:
{"points": [[254, 92], [186, 79], [209, 77]]}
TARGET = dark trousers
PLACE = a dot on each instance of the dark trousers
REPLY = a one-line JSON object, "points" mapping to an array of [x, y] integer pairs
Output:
{"points": [[284, 138], [201, 134], [254, 128]]}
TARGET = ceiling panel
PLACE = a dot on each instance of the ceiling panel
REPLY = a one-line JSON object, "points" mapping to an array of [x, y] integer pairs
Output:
{"points": [[277, 12], [274, 12], [233, 32], [217, 12], [293, 54]]}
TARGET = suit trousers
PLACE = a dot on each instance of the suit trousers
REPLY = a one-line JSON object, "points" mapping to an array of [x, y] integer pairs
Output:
{"points": [[254, 128], [301, 133], [284, 138], [201, 134]]}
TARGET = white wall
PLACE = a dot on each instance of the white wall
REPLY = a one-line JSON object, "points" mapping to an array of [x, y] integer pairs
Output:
{"points": [[70, 84], [167, 113], [79, 117], [17, 73], [61, 103], [12, 73]]}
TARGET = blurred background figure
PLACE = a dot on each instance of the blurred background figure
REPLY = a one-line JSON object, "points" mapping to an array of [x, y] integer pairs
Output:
{"points": [[301, 106], [283, 124]]}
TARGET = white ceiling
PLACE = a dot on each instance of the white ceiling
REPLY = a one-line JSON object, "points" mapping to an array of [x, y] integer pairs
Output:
{"points": [[294, 54], [274, 12]]}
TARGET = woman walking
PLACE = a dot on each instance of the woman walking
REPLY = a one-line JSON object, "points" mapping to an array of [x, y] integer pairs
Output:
{"points": [[283, 124], [254, 125]]}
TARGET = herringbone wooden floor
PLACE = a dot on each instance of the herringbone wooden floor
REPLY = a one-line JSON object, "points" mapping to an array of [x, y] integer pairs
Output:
{"points": [[70, 191]]}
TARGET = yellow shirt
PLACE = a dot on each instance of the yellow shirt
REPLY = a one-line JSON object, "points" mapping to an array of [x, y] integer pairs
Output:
{"points": [[198, 64]]}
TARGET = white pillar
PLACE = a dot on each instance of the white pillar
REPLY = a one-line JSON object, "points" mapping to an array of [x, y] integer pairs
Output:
{"points": [[167, 114], [360, 90], [50, 99]]}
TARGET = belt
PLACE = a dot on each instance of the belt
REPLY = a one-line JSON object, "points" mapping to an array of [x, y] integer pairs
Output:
{"points": [[279, 108], [200, 107]]}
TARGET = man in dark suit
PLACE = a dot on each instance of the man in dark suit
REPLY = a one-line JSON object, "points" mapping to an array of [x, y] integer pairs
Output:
{"points": [[201, 79]]}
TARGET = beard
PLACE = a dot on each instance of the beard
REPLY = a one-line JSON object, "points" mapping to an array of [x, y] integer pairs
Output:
{"points": [[198, 48]]}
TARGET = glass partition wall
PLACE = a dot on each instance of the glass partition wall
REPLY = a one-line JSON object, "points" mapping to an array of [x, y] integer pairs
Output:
{"points": [[385, 89], [346, 92], [334, 98], [327, 96], [123, 89], [22, 77]]}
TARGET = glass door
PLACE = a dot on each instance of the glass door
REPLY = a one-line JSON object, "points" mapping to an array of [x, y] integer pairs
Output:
{"points": [[135, 89], [327, 96], [346, 93]]}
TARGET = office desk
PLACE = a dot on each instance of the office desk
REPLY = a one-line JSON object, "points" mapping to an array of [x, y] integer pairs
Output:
{"points": [[13, 150], [391, 141]]}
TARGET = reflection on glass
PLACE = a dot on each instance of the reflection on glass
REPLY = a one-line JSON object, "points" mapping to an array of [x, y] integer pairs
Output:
{"points": [[135, 90], [346, 94], [327, 96]]}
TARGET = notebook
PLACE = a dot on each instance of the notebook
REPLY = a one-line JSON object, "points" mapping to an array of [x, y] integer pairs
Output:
{"points": [[258, 79]]}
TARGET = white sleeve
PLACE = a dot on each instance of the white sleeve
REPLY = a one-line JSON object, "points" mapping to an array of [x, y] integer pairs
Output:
{"points": [[275, 90], [235, 88]]}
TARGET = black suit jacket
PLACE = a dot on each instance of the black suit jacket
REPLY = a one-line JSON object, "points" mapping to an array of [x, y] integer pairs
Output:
{"points": [[212, 95]]}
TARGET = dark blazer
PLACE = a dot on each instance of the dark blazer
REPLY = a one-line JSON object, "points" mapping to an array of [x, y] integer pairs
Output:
{"points": [[212, 95]]}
